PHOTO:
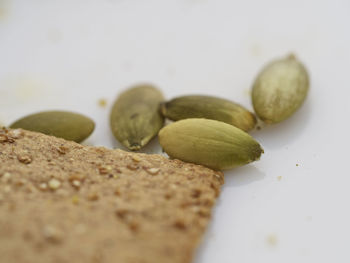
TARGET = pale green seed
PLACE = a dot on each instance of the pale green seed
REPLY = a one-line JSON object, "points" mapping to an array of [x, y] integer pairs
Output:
{"points": [[211, 143], [135, 118], [280, 89], [67, 125], [210, 108]]}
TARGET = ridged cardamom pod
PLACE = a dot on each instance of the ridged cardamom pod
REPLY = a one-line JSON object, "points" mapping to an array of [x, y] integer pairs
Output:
{"points": [[211, 143], [280, 89], [210, 108], [67, 125], [135, 117]]}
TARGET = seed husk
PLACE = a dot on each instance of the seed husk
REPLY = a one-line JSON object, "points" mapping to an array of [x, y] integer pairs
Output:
{"points": [[135, 118], [63, 124], [211, 143], [197, 106], [280, 89]]}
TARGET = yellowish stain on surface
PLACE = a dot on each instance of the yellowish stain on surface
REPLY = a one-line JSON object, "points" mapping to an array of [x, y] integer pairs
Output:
{"points": [[279, 178], [102, 103], [27, 88], [24, 87], [272, 240]]}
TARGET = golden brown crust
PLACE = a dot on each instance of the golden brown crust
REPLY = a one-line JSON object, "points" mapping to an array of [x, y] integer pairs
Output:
{"points": [[64, 202]]}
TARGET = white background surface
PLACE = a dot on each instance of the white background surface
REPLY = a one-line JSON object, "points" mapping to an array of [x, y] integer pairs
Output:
{"points": [[68, 54]]}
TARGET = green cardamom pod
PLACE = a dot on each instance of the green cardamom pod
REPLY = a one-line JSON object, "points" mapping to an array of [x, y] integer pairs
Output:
{"points": [[210, 108], [63, 124], [280, 89], [211, 143], [135, 118]]}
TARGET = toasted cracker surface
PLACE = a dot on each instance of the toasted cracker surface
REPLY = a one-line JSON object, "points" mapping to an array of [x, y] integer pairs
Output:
{"points": [[63, 202]]}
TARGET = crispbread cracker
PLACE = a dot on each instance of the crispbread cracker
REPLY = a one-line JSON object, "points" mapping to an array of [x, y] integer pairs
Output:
{"points": [[63, 202]]}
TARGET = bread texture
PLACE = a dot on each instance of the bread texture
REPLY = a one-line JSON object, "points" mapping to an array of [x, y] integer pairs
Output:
{"points": [[63, 202]]}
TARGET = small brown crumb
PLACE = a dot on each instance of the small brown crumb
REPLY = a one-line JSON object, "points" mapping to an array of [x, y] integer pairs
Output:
{"points": [[180, 224], [105, 169], [258, 128], [168, 196], [76, 184], [76, 177], [26, 159], [100, 150], [93, 197], [16, 134], [134, 226], [122, 213], [186, 204], [43, 186], [153, 171], [132, 167], [54, 184], [215, 188], [102, 103], [62, 150], [3, 138], [51, 162], [220, 177], [10, 140], [297, 164], [6, 138], [207, 202], [20, 182], [117, 192], [136, 158], [204, 212], [196, 193]]}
